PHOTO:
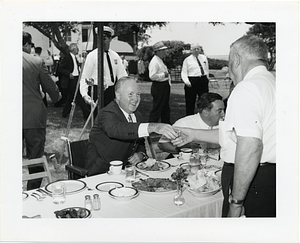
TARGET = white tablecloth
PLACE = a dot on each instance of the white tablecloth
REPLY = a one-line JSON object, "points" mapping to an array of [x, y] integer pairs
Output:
{"points": [[146, 205]]}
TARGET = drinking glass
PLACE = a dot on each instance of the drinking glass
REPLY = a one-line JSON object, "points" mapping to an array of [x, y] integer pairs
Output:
{"points": [[129, 173], [58, 192]]}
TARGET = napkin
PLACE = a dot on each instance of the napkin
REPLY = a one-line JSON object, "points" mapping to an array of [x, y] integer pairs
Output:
{"points": [[197, 180]]}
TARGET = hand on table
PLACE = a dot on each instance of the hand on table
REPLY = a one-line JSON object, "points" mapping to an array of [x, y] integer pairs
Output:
{"points": [[135, 158]]}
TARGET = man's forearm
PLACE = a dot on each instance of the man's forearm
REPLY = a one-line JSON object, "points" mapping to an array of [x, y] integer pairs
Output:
{"points": [[247, 159], [196, 135]]}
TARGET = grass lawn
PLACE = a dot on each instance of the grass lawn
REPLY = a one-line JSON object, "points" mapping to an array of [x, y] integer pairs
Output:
{"points": [[57, 126]]}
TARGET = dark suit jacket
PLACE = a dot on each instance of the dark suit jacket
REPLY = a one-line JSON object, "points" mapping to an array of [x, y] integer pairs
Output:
{"points": [[35, 75], [112, 138], [66, 67]]}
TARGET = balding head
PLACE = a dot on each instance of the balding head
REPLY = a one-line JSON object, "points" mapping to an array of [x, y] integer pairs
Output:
{"points": [[127, 94]]}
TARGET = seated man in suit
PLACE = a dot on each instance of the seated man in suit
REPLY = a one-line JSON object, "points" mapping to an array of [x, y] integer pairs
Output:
{"points": [[118, 132], [210, 110]]}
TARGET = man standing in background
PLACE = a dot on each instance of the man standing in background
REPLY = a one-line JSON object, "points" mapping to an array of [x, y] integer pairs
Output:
{"points": [[113, 70], [161, 85], [194, 74], [69, 70]]}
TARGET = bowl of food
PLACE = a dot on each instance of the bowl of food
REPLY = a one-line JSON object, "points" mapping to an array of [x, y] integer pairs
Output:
{"points": [[203, 185], [153, 165], [73, 212], [123, 193]]}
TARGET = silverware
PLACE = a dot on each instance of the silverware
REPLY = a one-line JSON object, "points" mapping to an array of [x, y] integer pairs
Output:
{"points": [[37, 196], [44, 193], [143, 173], [33, 217]]}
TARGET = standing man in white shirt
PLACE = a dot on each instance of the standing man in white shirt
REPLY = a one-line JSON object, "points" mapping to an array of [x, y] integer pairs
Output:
{"points": [[194, 73], [248, 133], [161, 85], [113, 70]]}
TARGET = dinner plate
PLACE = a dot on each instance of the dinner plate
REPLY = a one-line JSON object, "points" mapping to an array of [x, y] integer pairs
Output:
{"points": [[123, 193], [218, 173], [212, 167], [199, 194], [66, 213], [165, 166], [106, 186], [24, 195], [143, 186], [72, 186]]}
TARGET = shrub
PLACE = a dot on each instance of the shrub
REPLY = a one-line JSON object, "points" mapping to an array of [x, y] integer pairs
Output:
{"points": [[217, 63]]}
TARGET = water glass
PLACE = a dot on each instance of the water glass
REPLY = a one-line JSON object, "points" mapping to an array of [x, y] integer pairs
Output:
{"points": [[129, 173], [58, 192]]}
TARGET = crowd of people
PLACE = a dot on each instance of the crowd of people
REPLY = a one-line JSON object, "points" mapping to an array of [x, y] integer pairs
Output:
{"points": [[245, 134]]}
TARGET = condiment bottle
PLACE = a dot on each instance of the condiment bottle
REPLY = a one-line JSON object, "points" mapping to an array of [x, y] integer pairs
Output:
{"points": [[96, 202], [88, 202]]}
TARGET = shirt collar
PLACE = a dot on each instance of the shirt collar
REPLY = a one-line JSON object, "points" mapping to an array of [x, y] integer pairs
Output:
{"points": [[254, 71], [126, 114]]}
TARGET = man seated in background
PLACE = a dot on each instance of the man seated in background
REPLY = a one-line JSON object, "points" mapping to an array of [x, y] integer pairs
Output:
{"points": [[210, 110], [118, 132]]}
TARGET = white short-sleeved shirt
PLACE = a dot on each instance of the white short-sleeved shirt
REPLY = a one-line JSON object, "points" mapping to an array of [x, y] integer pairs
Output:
{"points": [[190, 67], [90, 70], [157, 70], [251, 112]]}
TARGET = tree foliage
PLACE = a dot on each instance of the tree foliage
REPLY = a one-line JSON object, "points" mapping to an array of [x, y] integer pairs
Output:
{"points": [[56, 31], [175, 55], [267, 32]]}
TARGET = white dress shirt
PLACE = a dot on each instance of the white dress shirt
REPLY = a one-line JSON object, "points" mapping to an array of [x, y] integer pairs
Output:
{"points": [[90, 70], [191, 68], [75, 72], [157, 70], [143, 127]]}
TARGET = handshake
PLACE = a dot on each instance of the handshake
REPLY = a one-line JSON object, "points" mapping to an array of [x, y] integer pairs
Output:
{"points": [[174, 134]]}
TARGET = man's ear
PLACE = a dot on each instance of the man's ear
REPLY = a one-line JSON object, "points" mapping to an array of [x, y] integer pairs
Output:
{"points": [[117, 95], [236, 60]]}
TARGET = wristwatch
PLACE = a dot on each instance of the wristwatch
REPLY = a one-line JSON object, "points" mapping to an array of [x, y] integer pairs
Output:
{"points": [[231, 200]]}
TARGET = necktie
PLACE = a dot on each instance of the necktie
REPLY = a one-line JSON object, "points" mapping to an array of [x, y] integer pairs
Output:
{"points": [[110, 68], [202, 70], [130, 118]]}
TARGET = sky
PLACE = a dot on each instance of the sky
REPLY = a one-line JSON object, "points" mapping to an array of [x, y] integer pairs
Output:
{"points": [[214, 39]]}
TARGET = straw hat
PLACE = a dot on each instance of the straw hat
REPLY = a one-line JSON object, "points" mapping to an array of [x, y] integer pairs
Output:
{"points": [[195, 45], [159, 46]]}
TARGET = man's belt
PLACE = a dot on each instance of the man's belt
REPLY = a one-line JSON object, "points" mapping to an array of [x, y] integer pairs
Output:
{"points": [[260, 164]]}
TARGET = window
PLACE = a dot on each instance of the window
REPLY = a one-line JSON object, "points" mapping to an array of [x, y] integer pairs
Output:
{"points": [[84, 35], [67, 36]]}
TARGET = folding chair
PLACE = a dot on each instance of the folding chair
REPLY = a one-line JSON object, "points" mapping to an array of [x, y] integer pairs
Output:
{"points": [[76, 152], [39, 175]]}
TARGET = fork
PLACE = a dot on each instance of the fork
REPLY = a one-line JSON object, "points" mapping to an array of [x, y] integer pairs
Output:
{"points": [[37, 196]]}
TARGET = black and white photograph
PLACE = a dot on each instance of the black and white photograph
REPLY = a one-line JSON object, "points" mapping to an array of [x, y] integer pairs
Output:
{"points": [[131, 121]]}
